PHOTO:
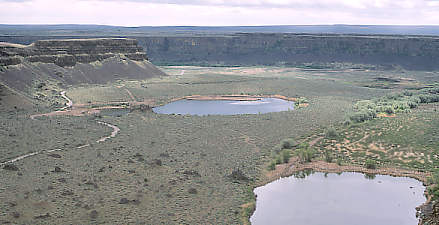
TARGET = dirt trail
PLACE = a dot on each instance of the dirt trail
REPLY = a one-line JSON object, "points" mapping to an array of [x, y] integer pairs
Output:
{"points": [[131, 95], [113, 134], [313, 142], [69, 104]]}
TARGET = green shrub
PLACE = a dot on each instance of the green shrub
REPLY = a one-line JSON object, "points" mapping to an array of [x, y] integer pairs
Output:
{"points": [[301, 100], [328, 156], [272, 165], [392, 103], [306, 154], [362, 116], [433, 189], [303, 145], [331, 133], [287, 143], [389, 109], [286, 155], [370, 164], [339, 162]]}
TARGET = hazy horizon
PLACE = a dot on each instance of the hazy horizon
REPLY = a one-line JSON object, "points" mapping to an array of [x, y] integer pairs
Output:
{"points": [[220, 12]]}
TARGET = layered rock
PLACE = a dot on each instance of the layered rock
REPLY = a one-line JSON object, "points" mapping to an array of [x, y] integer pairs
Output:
{"points": [[68, 52], [45, 66]]}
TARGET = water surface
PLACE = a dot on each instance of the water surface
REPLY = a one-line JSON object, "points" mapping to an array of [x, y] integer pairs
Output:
{"points": [[225, 107], [345, 199]]}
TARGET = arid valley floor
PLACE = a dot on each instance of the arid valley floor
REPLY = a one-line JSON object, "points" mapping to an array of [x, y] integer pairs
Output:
{"points": [[182, 169]]}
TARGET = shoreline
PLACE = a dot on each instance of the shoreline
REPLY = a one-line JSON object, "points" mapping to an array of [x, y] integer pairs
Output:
{"points": [[294, 166], [233, 97]]}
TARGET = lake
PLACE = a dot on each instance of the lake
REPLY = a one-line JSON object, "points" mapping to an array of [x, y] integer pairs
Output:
{"points": [[224, 107], [341, 199]]}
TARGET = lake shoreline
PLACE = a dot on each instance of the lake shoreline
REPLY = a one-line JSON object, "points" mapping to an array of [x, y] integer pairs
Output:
{"points": [[233, 97], [315, 193], [295, 165]]}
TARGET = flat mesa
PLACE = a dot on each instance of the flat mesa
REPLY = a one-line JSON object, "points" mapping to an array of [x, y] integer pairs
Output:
{"points": [[345, 199], [225, 107]]}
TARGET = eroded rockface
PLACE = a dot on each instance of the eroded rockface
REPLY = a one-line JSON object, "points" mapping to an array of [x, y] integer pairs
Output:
{"points": [[39, 71], [68, 52], [289, 49]]}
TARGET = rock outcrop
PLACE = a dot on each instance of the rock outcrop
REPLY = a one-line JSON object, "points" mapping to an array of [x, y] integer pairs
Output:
{"points": [[68, 52], [39, 70]]}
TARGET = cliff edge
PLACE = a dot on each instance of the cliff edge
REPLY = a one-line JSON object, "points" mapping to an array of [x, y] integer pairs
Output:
{"points": [[68, 52], [46, 66]]}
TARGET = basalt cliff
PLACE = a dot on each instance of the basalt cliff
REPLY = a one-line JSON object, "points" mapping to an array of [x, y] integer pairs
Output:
{"points": [[412, 52], [47, 66]]}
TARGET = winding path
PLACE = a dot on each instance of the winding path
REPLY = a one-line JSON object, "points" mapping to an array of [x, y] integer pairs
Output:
{"points": [[69, 104]]}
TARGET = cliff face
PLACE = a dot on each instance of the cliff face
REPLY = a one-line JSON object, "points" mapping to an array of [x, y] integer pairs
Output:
{"points": [[40, 70], [69, 52], [410, 52]]}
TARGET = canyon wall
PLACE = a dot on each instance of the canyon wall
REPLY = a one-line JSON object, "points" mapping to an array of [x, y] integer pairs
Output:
{"points": [[412, 52], [70, 51], [409, 52]]}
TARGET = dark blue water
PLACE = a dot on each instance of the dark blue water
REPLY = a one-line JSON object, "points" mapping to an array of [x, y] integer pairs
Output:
{"points": [[346, 199], [222, 107]]}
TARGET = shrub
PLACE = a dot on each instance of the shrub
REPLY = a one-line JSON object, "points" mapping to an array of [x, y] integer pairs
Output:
{"points": [[286, 155], [339, 162], [347, 122], [301, 100], [370, 164], [192, 191], [287, 143], [389, 109], [238, 175], [433, 189], [331, 133], [306, 154], [328, 157], [362, 116], [407, 93], [272, 165]]}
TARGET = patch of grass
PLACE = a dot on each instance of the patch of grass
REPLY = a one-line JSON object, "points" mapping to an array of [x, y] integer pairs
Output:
{"points": [[393, 103], [305, 152]]}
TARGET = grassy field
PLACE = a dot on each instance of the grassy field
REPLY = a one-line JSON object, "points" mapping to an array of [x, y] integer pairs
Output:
{"points": [[405, 140], [176, 169]]}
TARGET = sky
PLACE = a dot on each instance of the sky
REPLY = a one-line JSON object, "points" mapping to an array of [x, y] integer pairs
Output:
{"points": [[220, 12]]}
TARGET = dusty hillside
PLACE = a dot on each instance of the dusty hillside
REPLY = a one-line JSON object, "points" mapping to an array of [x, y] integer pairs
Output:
{"points": [[46, 66]]}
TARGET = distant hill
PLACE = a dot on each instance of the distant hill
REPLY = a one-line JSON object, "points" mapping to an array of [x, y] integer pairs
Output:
{"points": [[96, 30]]}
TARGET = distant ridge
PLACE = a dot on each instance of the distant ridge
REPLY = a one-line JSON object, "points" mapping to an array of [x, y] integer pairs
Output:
{"points": [[73, 29]]}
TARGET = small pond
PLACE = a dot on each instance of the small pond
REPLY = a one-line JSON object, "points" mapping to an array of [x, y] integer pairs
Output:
{"points": [[342, 199], [224, 107]]}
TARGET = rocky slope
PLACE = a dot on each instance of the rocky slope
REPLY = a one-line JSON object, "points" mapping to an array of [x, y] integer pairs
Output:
{"points": [[44, 67]]}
